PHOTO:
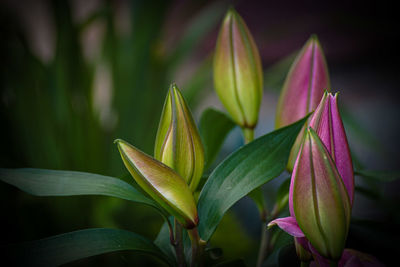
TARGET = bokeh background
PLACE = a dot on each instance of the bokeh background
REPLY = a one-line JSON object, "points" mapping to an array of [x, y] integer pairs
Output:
{"points": [[75, 75]]}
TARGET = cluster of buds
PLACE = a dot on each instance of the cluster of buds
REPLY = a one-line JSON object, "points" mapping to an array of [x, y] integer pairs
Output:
{"points": [[173, 175], [322, 185]]}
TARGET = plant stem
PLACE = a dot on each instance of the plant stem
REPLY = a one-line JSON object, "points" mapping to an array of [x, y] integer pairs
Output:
{"points": [[178, 245], [264, 243], [248, 134], [198, 246]]}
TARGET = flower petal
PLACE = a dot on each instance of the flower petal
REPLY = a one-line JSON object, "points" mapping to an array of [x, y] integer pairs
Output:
{"points": [[289, 225]]}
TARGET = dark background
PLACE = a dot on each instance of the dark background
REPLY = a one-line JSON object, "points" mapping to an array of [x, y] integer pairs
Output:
{"points": [[75, 75]]}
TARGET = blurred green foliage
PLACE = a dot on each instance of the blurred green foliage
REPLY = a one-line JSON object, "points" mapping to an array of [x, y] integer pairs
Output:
{"points": [[50, 118]]}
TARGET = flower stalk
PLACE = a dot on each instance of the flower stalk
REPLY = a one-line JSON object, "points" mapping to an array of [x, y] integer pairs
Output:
{"points": [[198, 248]]}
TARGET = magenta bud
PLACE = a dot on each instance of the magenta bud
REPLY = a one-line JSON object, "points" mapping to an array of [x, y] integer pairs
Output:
{"points": [[327, 123], [303, 88]]}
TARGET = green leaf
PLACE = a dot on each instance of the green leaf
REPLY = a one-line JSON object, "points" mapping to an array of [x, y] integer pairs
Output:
{"points": [[381, 176], [41, 182], [214, 127], [64, 248], [243, 171]]}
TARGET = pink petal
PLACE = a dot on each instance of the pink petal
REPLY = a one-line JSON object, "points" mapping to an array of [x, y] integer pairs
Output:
{"points": [[289, 225]]}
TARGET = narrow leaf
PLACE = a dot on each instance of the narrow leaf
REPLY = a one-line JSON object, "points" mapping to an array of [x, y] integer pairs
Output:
{"points": [[214, 127], [64, 248], [41, 182], [243, 171]]}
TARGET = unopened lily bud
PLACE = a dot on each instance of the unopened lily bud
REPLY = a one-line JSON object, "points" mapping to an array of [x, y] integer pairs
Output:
{"points": [[238, 76], [327, 123], [321, 204], [303, 88], [178, 143], [162, 183]]}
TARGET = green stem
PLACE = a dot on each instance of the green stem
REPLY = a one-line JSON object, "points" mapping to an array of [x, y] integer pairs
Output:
{"points": [[248, 134], [264, 243], [198, 246], [178, 245]]}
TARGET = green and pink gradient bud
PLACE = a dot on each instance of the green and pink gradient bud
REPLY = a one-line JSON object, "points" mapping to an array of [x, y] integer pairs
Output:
{"points": [[327, 123], [238, 78], [178, 143], [162, 183], [321, 204], [303, 88]]}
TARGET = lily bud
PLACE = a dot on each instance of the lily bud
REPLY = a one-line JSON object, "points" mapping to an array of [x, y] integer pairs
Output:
{"points": [[303, 88], [321, 204], [162, 183], [238, 76], [327, 123], [178, 143]]}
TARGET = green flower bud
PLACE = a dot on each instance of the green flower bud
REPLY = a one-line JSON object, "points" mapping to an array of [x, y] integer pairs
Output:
{"points": [[178, 143], [321, 204], [162, 183], [238, 76]]}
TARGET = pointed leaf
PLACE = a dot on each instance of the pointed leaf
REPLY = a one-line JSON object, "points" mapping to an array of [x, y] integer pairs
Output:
{"points": [[41, 182], [244, 170], [68, 247]]}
